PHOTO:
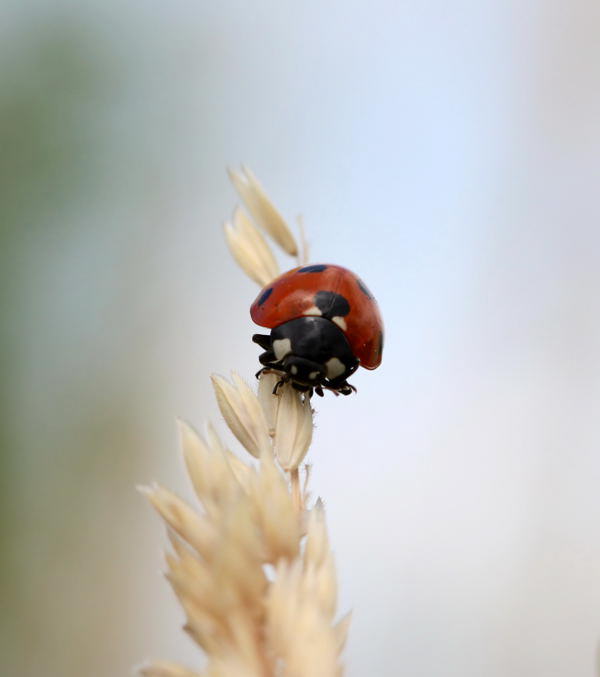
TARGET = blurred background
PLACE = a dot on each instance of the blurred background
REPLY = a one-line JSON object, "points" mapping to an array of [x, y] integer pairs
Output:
{"points": [[449, 153]]}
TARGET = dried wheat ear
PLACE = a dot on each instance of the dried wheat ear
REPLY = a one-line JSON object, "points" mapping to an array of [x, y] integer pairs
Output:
{"points": [[252, 567]]}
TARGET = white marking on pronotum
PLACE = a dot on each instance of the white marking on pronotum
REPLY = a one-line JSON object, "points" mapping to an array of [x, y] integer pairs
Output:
{"points": [[334, 367], [313, 375], [294, 369], [313, 310], [341, 323], [282, 347]]}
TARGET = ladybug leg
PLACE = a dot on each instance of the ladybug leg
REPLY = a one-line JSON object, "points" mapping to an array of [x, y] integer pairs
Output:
{"points": [[301, 388], [267, 358], [263, 340], [341, 387], [347, 389], [268, 370], [279, 384]]}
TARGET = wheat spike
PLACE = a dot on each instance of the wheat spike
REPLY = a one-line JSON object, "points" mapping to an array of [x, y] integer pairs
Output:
{"points": [[251, 565]]}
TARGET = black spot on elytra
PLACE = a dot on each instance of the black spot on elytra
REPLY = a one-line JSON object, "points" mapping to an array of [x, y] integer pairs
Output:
{"points": [[364, 289], [317, 268], [380, 347], [331, 304], [265, 295]]}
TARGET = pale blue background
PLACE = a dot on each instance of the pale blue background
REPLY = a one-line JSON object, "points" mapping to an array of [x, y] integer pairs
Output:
{"points": [[448, 152]]}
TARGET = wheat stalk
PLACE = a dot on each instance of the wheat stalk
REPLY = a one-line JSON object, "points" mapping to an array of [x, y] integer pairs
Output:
{"points": [[252, 568]]}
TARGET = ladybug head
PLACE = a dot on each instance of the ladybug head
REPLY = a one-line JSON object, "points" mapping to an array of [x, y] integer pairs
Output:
{"points": [[304, 372], [310, 352]]}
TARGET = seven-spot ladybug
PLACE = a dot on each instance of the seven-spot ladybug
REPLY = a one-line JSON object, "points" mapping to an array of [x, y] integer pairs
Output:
{"points": [[324, 322]]}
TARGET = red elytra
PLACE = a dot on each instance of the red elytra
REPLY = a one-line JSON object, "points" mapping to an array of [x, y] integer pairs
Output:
{"points": [[292, 295]]}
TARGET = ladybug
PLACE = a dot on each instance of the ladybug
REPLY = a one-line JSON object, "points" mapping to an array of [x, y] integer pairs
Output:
{"points": [[324, 323]]}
